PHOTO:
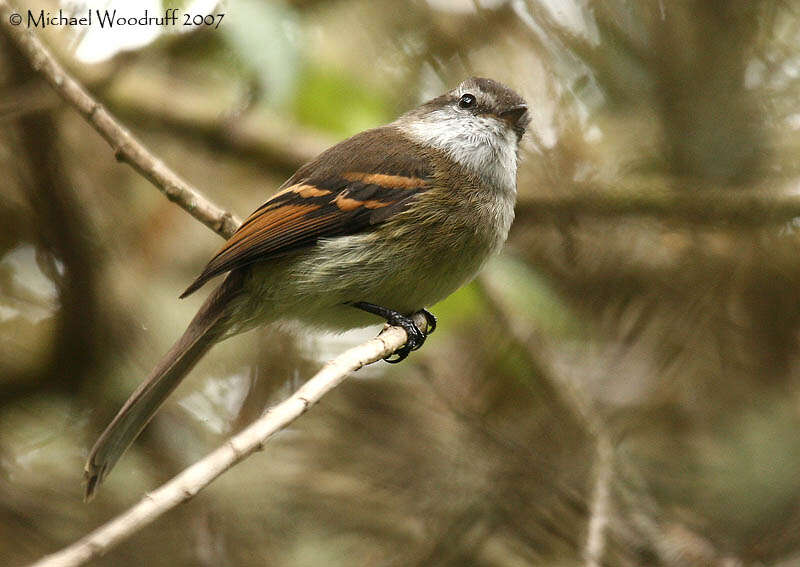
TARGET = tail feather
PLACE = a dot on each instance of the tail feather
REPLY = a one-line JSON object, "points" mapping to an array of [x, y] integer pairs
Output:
{"points": [[207, 327]]}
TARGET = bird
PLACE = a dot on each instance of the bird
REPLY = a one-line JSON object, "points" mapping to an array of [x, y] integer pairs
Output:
{"points": [[380, 226]]}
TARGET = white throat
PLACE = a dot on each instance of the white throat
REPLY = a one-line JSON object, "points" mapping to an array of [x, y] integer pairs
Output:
{"points": [[482, 144]]}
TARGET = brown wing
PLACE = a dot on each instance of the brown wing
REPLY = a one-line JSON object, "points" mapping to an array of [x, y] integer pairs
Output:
{"points": [[322, 203]]}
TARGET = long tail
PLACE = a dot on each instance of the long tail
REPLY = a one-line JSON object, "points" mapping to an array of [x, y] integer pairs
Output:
{"points": [[207, 327]]}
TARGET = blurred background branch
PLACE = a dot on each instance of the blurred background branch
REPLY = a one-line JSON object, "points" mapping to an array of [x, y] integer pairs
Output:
{"points": [[67, 255]]}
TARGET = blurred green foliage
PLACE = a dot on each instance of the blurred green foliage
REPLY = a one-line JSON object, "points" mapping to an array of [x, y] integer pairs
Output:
{"points": [[333, 100]]}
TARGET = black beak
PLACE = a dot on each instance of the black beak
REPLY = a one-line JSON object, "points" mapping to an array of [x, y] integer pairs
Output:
{"points": [[514, 114]]}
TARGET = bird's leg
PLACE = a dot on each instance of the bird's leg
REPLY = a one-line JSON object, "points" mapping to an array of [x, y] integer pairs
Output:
{"points": [[416, 338]]}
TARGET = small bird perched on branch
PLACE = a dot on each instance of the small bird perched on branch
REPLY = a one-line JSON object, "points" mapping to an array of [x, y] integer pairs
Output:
{"points": [[382, 224]]}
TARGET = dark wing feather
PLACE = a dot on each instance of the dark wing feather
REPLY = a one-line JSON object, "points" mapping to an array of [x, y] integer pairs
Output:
{"points": [[338, 194]]}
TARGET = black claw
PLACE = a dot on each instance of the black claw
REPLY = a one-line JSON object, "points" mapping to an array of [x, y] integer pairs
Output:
{"points": [[401, 354], [430, 318], [416, 338]]}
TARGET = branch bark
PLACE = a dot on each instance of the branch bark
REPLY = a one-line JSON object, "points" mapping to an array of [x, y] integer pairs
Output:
{"points": [[126, 147], [237, 448]]}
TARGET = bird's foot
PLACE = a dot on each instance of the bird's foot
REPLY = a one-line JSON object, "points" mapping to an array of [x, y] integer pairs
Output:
{"points": [[416, 338]]}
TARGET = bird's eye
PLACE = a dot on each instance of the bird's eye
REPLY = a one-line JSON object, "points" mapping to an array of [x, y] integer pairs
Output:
{"points": [[467, 101]]}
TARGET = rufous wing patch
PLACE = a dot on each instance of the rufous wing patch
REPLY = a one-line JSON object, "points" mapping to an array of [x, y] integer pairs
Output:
{"points": [[307, 191], [310, 209], [388, 181], [301, 190], [347, 204]]}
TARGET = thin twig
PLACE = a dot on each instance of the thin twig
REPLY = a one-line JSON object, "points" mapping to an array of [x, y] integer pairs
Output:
{"points": [[738, 207], [237, 448], [574, 400], [600, 505], [126, 147]]}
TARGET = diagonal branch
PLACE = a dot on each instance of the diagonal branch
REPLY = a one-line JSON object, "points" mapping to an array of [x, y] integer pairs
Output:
{"points": [[126, 147], [193, 479]]}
